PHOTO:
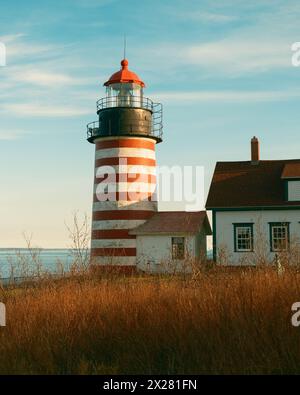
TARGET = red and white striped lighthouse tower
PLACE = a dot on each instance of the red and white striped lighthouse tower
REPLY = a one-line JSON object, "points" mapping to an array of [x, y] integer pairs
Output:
{"points": [[125, 136]]}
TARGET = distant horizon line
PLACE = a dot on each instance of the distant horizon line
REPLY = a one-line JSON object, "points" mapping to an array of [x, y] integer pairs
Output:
{"points": [[36, 248], [46, 248]]}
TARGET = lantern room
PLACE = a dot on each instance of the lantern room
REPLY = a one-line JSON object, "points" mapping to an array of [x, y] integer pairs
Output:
{"points": [[124, 88]]}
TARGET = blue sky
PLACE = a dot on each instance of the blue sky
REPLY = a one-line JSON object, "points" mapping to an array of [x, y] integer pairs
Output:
{"points": [[222, 70]]}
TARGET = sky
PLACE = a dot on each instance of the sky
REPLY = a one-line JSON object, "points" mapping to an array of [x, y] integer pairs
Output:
{"points": [[222, 70]]}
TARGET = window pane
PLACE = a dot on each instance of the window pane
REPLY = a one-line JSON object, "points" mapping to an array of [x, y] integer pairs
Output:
{"points": [[244, 238], [279, 237], [177, 247]]}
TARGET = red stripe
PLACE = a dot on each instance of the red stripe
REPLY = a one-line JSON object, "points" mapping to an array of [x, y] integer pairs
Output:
{"points": [[124, 177], [126, 143], [113, 252], [122, 214], [111, 234], [124, 161], [125, 196]]}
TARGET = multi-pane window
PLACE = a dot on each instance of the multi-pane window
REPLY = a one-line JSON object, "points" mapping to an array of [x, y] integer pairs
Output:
{"points": [[243, 237], [177, 247], [279, 236]]}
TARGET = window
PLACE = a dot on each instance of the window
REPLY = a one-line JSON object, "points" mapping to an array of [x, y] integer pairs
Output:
{"points": [[293, 191], [279, 236], [243, 237], [177, 247]]}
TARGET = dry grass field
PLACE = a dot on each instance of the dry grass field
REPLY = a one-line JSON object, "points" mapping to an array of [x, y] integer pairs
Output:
{"points": [[221, 322]]}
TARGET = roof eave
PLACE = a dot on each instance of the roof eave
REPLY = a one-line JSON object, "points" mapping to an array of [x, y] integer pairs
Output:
{"points": [[291, 178], [261, 207], [162, 233]]}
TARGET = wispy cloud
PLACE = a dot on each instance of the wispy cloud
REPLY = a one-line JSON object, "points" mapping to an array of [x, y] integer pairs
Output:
{"points": [[12, 134], [233, 57], [208, 17], [240, 55], [44, 78], [38, 110], [9, 38], [50, 86], [21, 48]]}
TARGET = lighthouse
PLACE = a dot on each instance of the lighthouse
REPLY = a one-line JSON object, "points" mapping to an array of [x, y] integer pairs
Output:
{"points": [[125, 135]]}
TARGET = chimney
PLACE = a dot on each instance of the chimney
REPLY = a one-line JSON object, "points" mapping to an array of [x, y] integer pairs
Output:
{"points": [[254, 150]]}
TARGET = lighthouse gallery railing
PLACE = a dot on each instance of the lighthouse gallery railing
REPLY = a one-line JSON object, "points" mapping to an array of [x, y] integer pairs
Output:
{"points": [[93, 128]]}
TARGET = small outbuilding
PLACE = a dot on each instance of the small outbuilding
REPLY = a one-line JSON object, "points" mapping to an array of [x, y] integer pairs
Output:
{"points": [[170, 241]]}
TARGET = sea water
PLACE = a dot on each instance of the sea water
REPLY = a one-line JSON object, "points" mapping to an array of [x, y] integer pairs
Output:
{"points": [[17, 262]]}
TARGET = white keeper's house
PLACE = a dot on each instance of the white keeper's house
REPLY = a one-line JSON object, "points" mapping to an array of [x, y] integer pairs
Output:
{"points": [[255, 208]]}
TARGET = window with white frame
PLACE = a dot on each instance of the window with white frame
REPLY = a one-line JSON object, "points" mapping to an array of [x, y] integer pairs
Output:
{"points": [[243, 237], [177, 247], [279, 236]]}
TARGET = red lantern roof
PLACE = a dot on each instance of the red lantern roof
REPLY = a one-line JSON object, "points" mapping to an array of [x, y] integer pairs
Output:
{"points": [[124, 75]]}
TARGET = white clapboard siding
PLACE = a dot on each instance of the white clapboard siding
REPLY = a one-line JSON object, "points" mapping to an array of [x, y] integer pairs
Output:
{"points": [[114, 260]]}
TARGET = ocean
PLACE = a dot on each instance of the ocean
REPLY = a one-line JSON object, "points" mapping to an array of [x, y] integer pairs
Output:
{"points": [[18, 262]]}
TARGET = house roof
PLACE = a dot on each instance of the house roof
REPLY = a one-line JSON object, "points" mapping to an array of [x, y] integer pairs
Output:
{"points": [[291, 170], [174, 222], [247, 184]]}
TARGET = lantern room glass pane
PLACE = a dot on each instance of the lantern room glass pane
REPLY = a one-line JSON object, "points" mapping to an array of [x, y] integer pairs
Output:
{"points": [[124, 95]]}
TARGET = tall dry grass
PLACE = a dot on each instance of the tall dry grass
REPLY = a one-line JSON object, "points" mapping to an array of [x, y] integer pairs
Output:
{"points": [[221, 322]]}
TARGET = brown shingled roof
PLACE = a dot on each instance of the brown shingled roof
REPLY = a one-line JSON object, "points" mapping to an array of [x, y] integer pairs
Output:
{"points": [[174, 222], [244, 184], [291, 170]]}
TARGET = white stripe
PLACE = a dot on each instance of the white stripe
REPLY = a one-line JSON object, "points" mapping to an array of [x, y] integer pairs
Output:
{"points": [[124, 169], [114, 260], [125, 205], [125, 152], [113, 243], [117, 224], [139, 187]]}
